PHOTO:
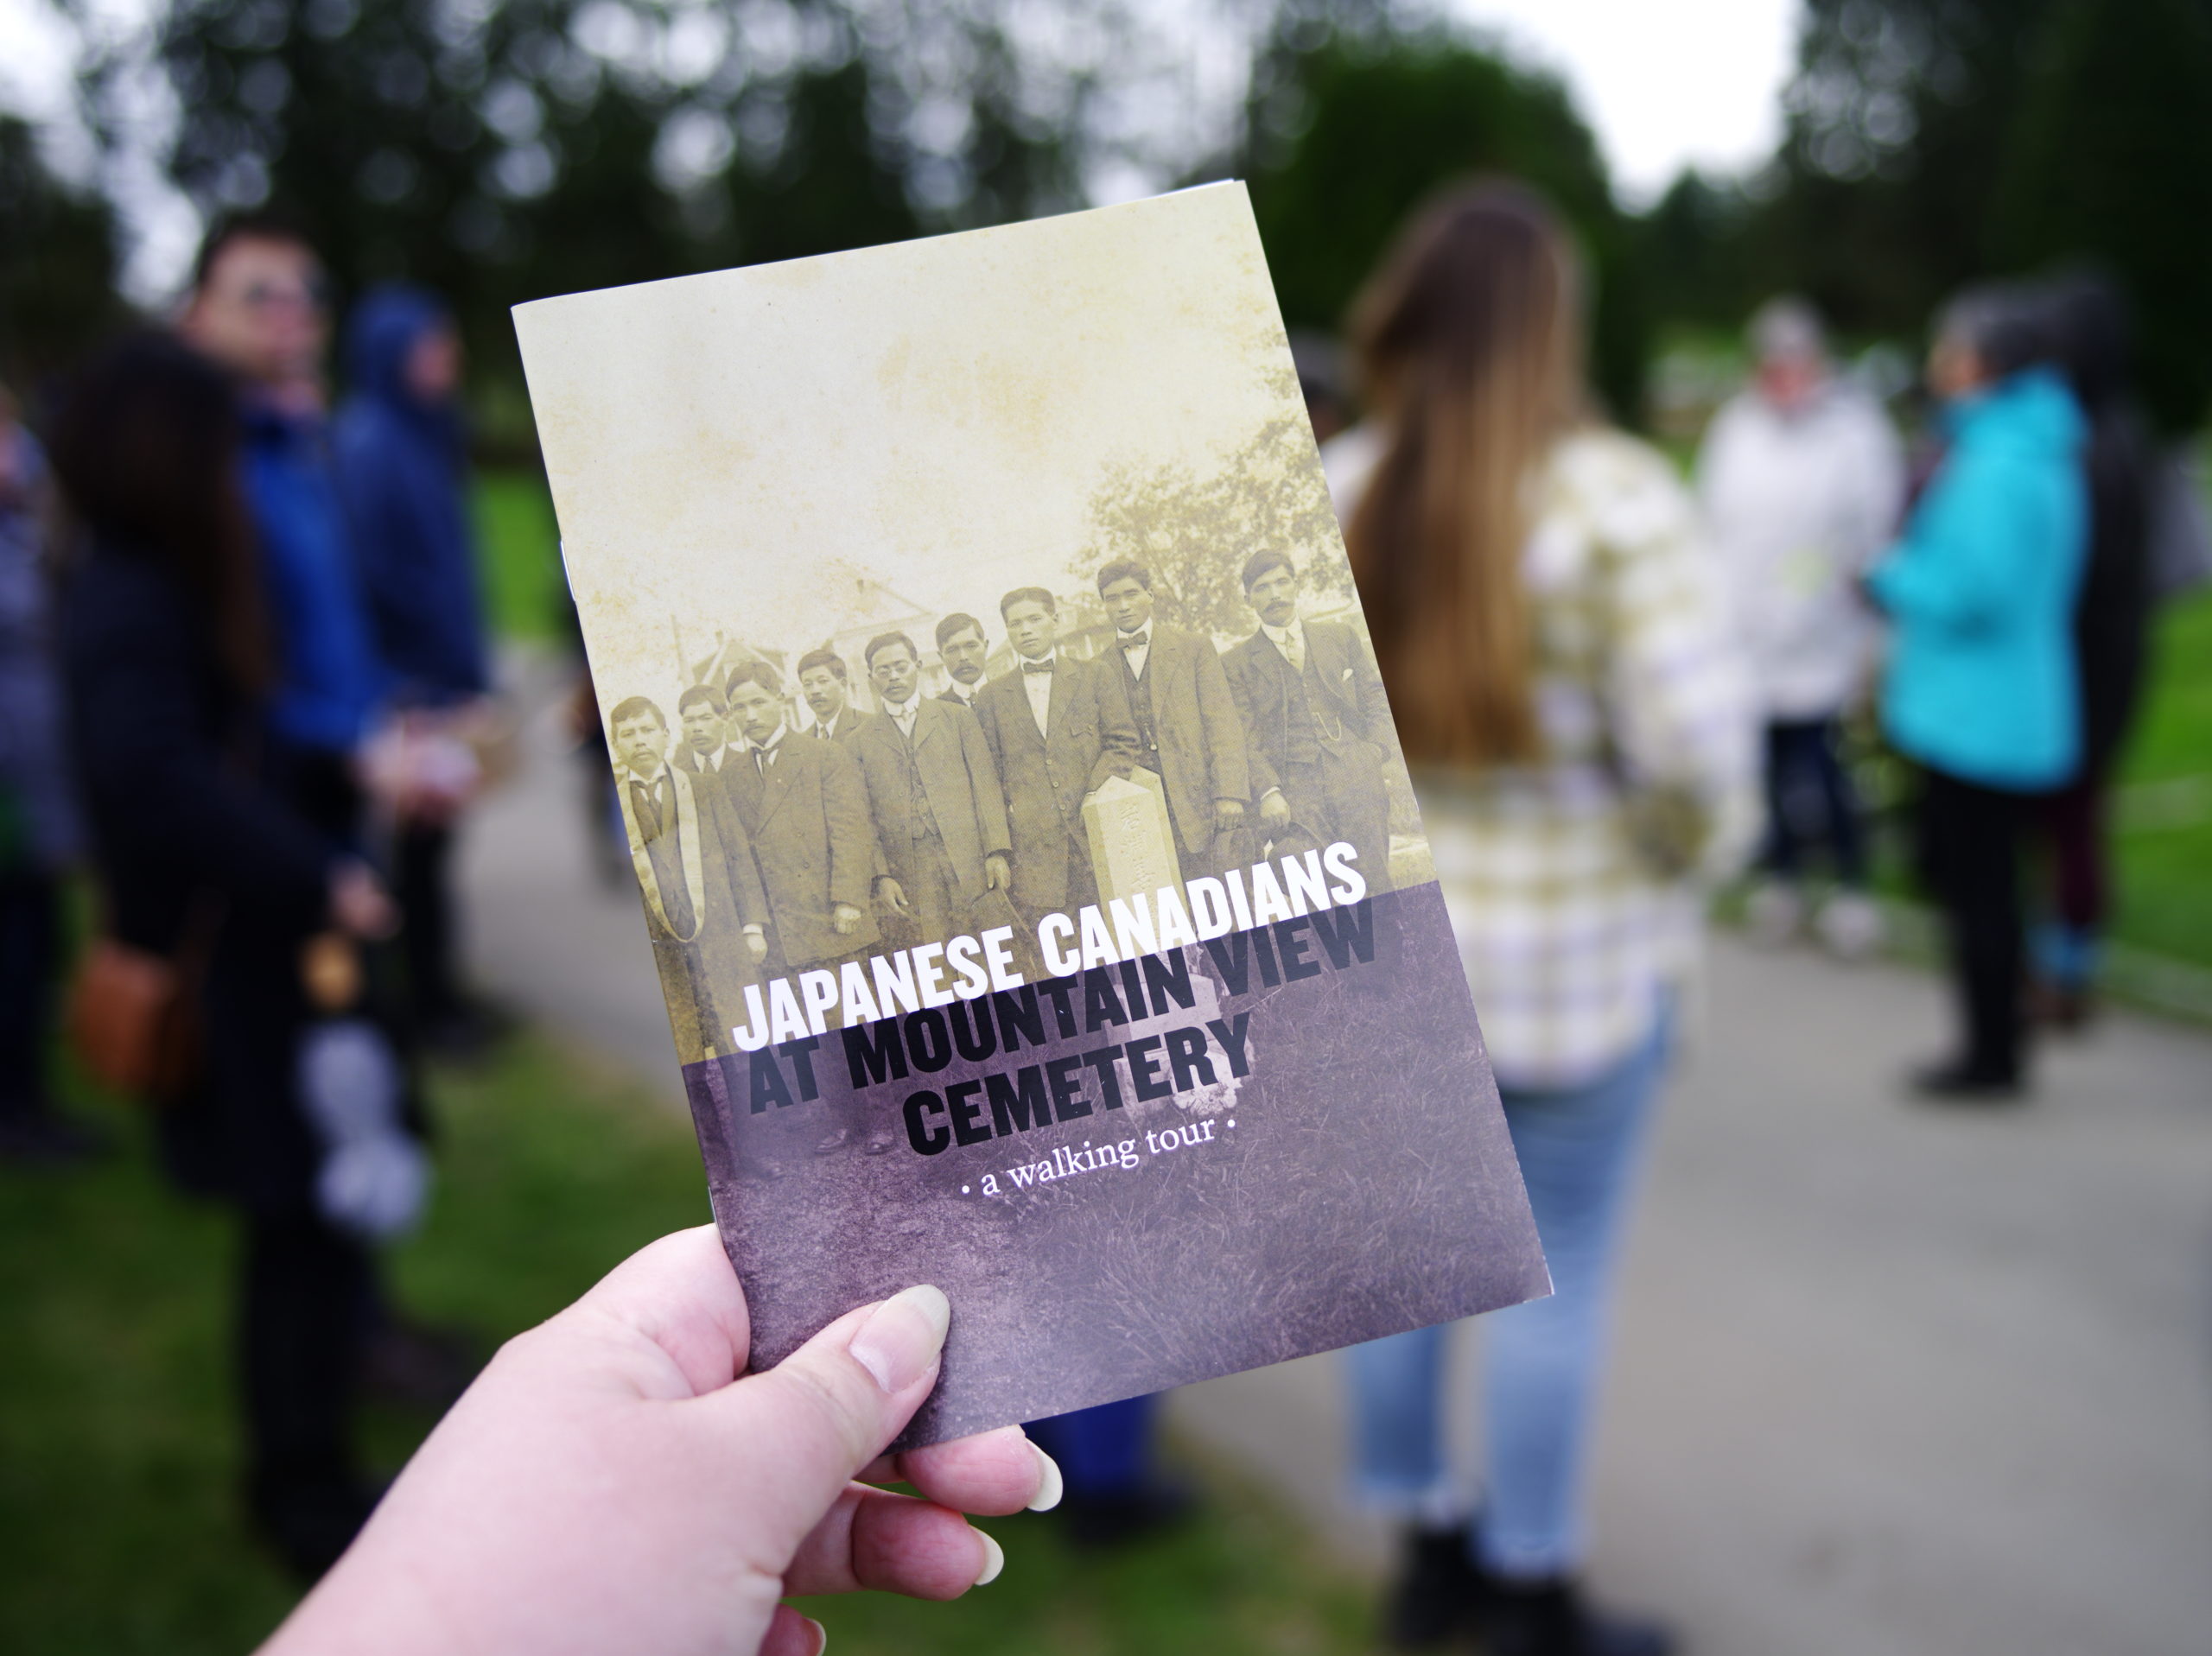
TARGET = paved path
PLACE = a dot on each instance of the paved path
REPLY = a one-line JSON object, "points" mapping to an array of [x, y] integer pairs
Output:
{"points": [[1889, 1380]]}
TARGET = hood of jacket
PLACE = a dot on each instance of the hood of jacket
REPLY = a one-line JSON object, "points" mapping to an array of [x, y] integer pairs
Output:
{"points": [[2032, 413], [382, 335]]}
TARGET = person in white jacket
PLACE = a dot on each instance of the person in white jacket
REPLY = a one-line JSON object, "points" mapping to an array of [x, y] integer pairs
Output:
{"points": [[1802, 479]]}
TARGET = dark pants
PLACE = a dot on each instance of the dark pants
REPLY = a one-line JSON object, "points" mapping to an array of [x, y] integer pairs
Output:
{"points": [[1809, 800], [30, 958], [1342, 795], [308, 1299], [1102, 1452], [2074, 818], [1969, 859], [422, 874]]}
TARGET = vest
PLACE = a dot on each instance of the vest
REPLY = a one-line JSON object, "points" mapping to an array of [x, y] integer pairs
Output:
{"points": [[1140, 689], [918, 796]]}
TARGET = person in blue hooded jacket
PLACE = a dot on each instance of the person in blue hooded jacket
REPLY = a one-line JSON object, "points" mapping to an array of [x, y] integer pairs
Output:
{"points": [[1980, 689], [402, 479]]}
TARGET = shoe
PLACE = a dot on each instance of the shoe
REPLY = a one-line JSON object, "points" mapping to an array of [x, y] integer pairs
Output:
{"points": [[1437, 1593], [1118, 1520], [2057, 1006], [309, 1520], [833, 1142], [416, 1366], [1849, 925], [1960, 1083], [1774, 913], [882, 1145], [1551, 1618]]}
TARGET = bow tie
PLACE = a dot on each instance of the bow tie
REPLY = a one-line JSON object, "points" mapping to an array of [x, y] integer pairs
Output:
{"points": [[1037, 667], [1138, 640]]}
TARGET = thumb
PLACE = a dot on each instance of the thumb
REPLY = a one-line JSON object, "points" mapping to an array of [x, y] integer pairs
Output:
{"points": [[834, 1405]]}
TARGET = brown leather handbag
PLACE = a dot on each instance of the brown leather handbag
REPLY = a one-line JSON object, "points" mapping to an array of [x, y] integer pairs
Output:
{"points": [[133, 1016]]}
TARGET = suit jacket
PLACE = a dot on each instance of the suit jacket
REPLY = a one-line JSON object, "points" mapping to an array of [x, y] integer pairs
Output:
{"points": [[1089, 736], [687, 761], [807, 817], [679, 874], [954, 698], [1197, 727], [850, 723], [959, 779], [1351, 704]]}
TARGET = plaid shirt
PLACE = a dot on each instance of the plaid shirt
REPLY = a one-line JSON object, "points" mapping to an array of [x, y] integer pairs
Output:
{"points": [[1576, 886]]}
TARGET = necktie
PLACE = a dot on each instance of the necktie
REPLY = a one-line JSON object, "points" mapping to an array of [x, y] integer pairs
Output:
{"points": [[1138, 640], [1037, 667], [1294, 650]]}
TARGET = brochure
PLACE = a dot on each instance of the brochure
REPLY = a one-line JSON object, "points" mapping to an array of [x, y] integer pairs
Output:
{"points": [[1023, 840]]}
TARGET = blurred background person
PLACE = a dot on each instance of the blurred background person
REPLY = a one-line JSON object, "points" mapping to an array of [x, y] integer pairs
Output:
{"points": [[1578, 784], [1981, 690], [2090, 334], [1801, 479], [41, 833], [400, 465], [221, 850]]}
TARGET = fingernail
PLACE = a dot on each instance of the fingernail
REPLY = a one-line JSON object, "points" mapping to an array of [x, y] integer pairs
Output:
{"points": [[1050, 1484], [901, 1339], [994, 1560], [821, 1634]]}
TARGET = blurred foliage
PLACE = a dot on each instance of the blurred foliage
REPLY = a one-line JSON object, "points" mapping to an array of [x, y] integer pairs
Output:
{"points": [[499, 153], [57, 265], [1931, 143], [2112, 159], [1353, 124]]}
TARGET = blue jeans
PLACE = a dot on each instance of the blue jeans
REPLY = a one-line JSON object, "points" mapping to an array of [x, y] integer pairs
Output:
{"points": [[1579, 1150]]}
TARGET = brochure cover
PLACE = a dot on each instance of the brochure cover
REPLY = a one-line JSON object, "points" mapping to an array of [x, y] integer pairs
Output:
{"points": [[1025, 845]]}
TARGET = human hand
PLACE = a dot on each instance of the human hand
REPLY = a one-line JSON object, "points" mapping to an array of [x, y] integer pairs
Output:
{"points": [[998, 873], [1275, 809], [358, 903], [756, 944], [1227, 815], [844, 919], [609, 1483], [892, 895]]}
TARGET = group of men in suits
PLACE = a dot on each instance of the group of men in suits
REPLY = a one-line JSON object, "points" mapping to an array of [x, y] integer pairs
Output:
{"points": [[765, 848]]}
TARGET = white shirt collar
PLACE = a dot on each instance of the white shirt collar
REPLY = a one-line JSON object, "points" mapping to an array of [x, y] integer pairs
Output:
{"points": [[1295, 630]]}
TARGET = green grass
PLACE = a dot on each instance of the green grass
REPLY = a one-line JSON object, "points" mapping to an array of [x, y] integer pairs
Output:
{"points": [[119, 1529], [2163, 827], [519, 547]]}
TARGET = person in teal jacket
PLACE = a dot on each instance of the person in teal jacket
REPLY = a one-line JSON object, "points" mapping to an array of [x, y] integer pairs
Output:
{"points": [[1981, 687]]}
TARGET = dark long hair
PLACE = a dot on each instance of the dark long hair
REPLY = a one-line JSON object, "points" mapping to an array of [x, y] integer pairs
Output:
{"points": [[145, 450], [1469, 342]]}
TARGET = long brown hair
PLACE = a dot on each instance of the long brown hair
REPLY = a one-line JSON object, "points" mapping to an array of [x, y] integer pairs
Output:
{"points": [[146, 450], [1469, 342]]}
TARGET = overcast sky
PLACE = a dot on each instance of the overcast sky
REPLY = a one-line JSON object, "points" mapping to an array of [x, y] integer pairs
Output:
{"points": [[1664, 85]]}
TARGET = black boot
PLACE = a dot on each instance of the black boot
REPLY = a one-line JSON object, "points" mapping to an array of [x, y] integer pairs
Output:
{"points": [[1961, 1083], [1549, 1618], [1435, 1595]]}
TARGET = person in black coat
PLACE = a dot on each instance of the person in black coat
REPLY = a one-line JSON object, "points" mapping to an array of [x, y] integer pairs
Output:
{"points": [[212, 836], [2088, 324]]}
